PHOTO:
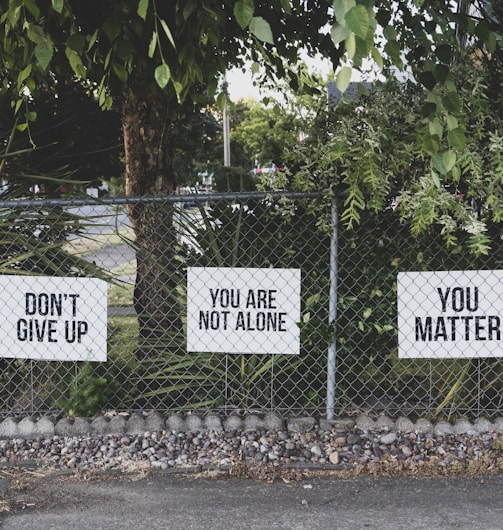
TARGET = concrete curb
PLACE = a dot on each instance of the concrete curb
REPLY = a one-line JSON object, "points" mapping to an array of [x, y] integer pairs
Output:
{"points": [[136, 424]]}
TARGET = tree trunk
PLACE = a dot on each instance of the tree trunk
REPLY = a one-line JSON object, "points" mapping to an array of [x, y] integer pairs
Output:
{"points": [[148, 137]]}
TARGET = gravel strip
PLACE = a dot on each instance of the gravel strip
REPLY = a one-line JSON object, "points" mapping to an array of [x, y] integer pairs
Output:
{"points": [[338, 449]]}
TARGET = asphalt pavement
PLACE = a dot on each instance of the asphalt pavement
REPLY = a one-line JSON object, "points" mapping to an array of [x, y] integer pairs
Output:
{"points": [[163, 501]]}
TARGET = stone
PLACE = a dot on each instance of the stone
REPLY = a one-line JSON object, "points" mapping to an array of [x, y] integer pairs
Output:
{"points": [[403, 424], [117, 425], [100, 425], [233, 423], [334, 457], [213, 422], [384, 423], [305, 424], [64, 427], [193, 423], [443, 427], [388, 439], [155, 421], [365, 422], [176, 423], [8, 428], [253, 422], [44, 427], [26, 427], [136, 424], [273, 422], [498, 424], [483, 425], [423, 425], [464, 427]]}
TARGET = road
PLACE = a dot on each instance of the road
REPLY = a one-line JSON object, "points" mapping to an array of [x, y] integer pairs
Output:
{"points": [[166, 501]]}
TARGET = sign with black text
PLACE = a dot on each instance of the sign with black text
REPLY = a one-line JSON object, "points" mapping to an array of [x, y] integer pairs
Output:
{"points": [[455, 314], [243, 310], [53, 318]]}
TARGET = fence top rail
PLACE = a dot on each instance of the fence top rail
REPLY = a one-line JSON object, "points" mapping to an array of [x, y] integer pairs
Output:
{"points": [[195, 197]]}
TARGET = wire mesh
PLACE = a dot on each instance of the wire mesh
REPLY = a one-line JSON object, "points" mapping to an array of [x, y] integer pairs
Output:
{"points": [[143, 247]]}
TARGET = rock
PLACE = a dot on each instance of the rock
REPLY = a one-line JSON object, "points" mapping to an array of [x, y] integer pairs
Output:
{"points": [[305, 424], [136, 424], [8, 428], [213, 422], [334, 457], [442, 428], [383, 423], [404, 425], [423, 425], [155, 421], [117, 425], [464, 427], [365, 423], [483, 425], [253, 422], [233, 423], [175, 423], [388, 439], [193, 423], [273, 422], [26, 428]]}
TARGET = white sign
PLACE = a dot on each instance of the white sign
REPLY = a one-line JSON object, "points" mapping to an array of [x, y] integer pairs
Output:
{"points": [[53, 318], [243, 310], [457, 314]]}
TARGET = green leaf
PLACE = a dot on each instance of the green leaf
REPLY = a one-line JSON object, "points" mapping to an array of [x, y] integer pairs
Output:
{"points": [[32, 8], [44, 52], [444, 53], [343, 78], [243, 12], [76, 42], [438, 184], [457, 138], [261, 29], [452, 122], [435, 128], [152, 45], [23, 75], [430, 143], [427, 79], [444, 161], [75, 62], [358, 21], [339, 33], [376, 55], [142, 9], [452, 102], [168, 33], [341, 7], [120, 72], [162, 75], [350, 44], [58, 5]]}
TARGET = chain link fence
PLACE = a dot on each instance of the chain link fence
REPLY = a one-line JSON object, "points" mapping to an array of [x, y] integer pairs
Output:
{"points": [[145, 249]]}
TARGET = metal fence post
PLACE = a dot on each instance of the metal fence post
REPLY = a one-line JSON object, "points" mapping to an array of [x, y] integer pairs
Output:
{"points": [[332, 314]]}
